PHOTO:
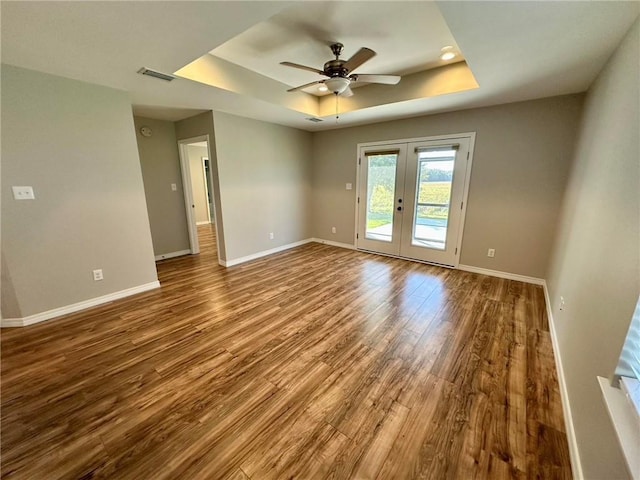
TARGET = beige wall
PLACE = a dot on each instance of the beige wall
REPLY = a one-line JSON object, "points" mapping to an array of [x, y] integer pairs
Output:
{"points": [[596, 259], [265, 183], [520, 167], [199, 187], [74, 143], [196, 126], [10, 306], [160, 168]]}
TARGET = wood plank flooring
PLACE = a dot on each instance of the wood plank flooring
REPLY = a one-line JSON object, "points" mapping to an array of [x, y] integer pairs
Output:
{"points": [[315, 363]]}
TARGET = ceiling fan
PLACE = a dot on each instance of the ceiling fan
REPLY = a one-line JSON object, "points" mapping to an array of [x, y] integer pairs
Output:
{"points": [[339, 74]]}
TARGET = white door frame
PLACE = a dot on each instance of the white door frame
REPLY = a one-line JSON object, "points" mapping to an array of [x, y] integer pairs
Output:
{"points": [[472, 140], [206, 186], [187, 187]]}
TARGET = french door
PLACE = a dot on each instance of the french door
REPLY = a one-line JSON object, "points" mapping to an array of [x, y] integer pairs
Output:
{"points": [[410, 198]]}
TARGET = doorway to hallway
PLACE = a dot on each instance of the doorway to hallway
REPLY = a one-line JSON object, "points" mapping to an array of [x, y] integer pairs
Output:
{"points": [[198, 184]]}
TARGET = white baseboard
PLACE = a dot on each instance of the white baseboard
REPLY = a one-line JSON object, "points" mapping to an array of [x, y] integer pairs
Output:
{"points": [[574, 454], [334, 244], [499, 274], [11, 322], [264, 253], [57, 312], [179, 253], [206, 222]]}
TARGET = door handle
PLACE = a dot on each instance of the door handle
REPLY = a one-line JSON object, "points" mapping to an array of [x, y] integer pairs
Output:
{"points": [[399, 200], [399, 209]]}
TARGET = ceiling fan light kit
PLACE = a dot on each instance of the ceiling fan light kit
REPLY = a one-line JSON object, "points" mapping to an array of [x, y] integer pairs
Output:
{"points": [[337, 84], [339, 72]]}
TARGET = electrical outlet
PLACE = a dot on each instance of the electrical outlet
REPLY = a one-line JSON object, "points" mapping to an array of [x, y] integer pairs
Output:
{"points": [[270, 235], [333, 229], [174, 187], [561, 303], [491, 253], [97, 275], [349, 186], [23, 193]]}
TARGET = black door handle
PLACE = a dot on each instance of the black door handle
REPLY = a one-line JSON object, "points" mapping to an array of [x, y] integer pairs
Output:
{"points": [[399, 209]]}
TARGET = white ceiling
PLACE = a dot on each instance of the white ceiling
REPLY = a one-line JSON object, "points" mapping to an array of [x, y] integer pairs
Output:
{"points": [[516, 50], [406, 40]]}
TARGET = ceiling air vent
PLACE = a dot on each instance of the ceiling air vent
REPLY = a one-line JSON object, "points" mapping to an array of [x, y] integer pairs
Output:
{"points": [[315, 120], [153, 73]]}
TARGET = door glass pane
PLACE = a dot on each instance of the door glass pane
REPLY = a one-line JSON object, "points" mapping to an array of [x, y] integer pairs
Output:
{"points": [[381, 185], [433, 198]]}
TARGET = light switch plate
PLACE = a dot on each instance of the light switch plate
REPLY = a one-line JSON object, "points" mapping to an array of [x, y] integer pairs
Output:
{"points": [[23, 193], [174, 187], [349, 186]]}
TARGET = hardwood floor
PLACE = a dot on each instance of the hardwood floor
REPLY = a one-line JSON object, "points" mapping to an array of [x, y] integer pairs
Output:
{"points": [[315, 363]]}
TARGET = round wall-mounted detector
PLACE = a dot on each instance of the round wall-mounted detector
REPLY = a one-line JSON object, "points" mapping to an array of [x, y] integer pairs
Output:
{"points": [[146, 131], [446, 48]]}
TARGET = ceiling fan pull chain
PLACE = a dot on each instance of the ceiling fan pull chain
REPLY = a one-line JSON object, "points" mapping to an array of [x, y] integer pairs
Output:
{"points": [[337, 116]]}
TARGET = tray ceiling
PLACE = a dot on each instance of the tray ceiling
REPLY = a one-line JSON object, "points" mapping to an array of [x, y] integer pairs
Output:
{"points": [[513, 51]]}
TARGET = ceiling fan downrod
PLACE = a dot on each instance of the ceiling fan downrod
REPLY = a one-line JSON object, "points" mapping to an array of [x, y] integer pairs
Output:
{"points": [[336, 48]]}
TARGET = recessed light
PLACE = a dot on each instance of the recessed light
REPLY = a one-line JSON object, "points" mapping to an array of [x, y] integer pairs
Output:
{"points": [[448, 56], [323, 88]]}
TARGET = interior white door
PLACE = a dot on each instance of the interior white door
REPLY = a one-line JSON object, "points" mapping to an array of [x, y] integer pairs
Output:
{"points": [[410, 199]]}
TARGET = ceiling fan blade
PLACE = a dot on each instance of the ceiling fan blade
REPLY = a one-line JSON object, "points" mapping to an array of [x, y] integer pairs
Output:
{"points": [[359, 58], [347, 92], [302, 67], [385, 79], [305, 86]]}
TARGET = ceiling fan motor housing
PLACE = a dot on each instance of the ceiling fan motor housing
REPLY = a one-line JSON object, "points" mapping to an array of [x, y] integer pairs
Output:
{"points": [[335, 68]]}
